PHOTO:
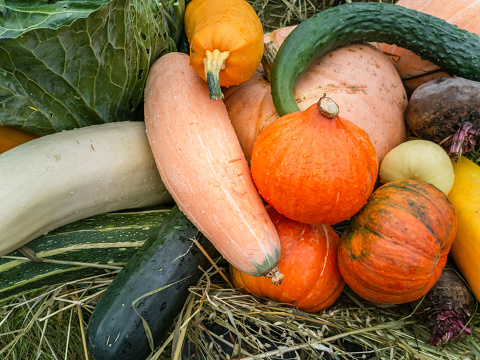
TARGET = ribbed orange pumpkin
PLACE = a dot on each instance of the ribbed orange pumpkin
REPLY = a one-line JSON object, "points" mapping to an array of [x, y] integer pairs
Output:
{"points": [[412, 69], [313, 168], [309, 262], [363, 82], [396, 247]]}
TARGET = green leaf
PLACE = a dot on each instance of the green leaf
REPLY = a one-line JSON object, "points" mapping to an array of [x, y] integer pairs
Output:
{"points": [[67, 64]]}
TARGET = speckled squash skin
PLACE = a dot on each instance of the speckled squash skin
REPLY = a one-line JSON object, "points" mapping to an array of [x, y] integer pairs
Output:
{"points": [[396, 247], [365, 85], [314, 169], [308, 261]]}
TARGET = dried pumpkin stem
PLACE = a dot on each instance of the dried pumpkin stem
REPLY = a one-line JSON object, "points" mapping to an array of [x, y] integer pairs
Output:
{"points": [[270, 50], [275, 275], [328, 107], [214, 62]]}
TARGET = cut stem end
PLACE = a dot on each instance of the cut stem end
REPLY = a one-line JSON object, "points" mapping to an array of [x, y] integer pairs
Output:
{"points": [[275, 275], [328, 107]]}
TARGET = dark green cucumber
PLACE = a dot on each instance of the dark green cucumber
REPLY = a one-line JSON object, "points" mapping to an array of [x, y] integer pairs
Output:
{"points": [[168, 262], [87, 247], [454, 50]]}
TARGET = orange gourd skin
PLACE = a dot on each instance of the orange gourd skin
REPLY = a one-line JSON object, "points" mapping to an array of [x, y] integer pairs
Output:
{"points": [[413, 70], [313, 169], [226, 25], [360, 79], [11, 137], [309, 263], [397, 245]]}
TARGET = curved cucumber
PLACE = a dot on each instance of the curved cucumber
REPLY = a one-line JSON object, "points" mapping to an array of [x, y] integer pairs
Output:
{"points": [[156, 282], [454, 50]]}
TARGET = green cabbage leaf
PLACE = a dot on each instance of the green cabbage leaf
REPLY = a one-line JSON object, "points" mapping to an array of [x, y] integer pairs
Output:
{"points": [[66, 64]]}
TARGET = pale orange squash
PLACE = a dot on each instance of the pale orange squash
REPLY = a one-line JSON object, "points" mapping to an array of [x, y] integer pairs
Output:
{"points": [[359, 77], [202, 165], [226, 41], [413, 70]]}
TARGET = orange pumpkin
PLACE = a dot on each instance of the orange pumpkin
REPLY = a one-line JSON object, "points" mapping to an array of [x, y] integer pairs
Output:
{"points": [[396, 247], [11, 137], [314, 166], [309, 262], [362, 80], [413, 70]]}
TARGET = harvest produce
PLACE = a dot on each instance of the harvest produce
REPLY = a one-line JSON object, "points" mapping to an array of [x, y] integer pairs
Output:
{"points": [[11, 137], [309, 263], [84, 248], [362, 22], [395, 248], [446, 111], [148, 293], [226, 42], [202, 165], [447, 308], [418, 160], [69, 64], [356, 75], [465, 197], [313, 166], [415, 71], [59, 178]]}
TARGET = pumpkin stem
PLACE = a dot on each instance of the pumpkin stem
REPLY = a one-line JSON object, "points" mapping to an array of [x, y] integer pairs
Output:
{"points": [[270, 50], [328, 107], [213, 62], [275, 275]]}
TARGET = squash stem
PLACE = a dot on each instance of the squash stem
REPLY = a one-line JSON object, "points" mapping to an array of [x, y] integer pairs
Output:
{"points": [[214, 62], [275, 275], [327, 107], [270, 50]]}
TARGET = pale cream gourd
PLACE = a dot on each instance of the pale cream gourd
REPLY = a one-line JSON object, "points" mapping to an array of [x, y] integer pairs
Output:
{"points": [[70, 175], [418, 160]]}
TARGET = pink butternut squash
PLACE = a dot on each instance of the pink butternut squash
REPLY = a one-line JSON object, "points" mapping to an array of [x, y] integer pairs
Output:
{"points": [[203, 167]]}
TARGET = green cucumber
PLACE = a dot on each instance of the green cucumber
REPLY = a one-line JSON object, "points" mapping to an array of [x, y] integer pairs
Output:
{"points": [[154, 285], [455, 50], [87, 247]]}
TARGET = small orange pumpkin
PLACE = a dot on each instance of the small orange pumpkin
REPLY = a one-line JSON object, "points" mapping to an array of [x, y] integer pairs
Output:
{"points": [[412, 69], [396, 247], [313, 166], [309, 262], [11, 137]]}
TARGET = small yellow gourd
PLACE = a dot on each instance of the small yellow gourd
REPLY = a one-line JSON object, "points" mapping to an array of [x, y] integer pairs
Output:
{"points": [[465, 197], [226, 42]]}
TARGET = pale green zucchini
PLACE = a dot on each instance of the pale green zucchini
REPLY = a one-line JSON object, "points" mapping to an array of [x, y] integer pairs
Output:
{"points": [[103, 243], [70, 175]]}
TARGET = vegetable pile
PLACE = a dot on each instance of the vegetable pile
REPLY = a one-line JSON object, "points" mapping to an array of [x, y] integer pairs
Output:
{"points": [[180, 138]]}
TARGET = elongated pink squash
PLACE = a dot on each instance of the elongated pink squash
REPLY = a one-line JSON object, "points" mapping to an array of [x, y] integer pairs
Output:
{"points": [[203, 167]]}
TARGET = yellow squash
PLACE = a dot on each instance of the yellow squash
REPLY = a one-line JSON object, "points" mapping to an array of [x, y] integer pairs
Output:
{"points": [[226, 42], [465, 197]]}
